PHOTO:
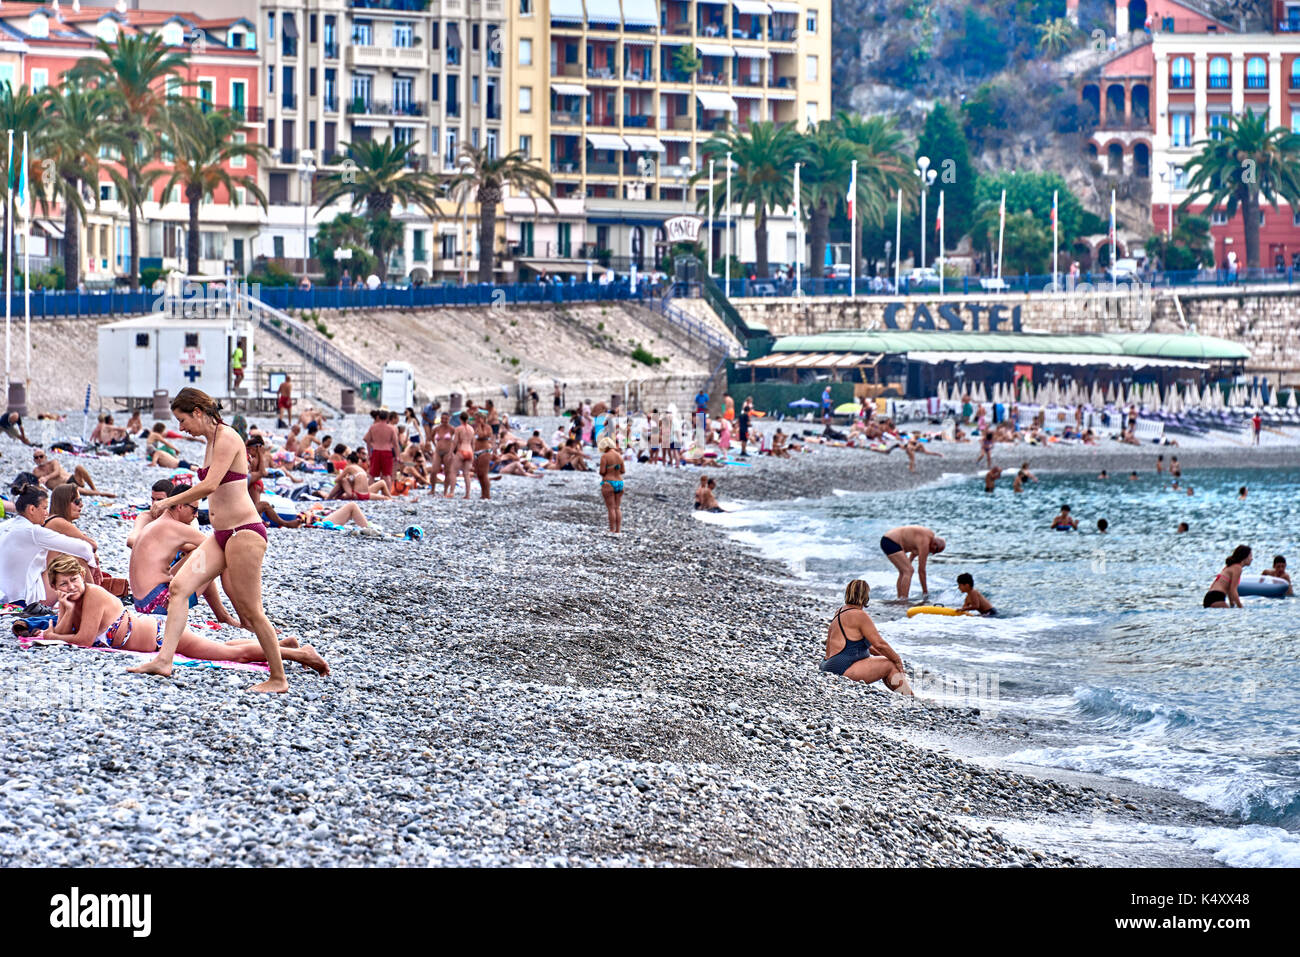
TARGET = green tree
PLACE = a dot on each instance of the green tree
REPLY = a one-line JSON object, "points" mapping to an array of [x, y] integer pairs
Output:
{"points": [[1026, 244], [1032, 192], [884, 167], [484, 179], [1055, 36], [76, 124], [203, 146], [1247, 164], [133, 70], [763, 176], [344, 231], [1187, 249], [944, 142], [686, 60], [21, 111], [824, 181], [375, 175]]}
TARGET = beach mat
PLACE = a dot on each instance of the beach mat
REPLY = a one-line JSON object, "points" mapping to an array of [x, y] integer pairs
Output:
{"points": [[179, 660]]}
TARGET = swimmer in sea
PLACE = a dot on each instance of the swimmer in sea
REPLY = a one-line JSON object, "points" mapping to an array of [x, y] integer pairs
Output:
{"points": [[991, 477], [901, 544], [1063, 522], [855, 649], [974, 600], [1241, 494], [1104, 475], [1223, 590], [1279, 571], [1183, 527], [1102, 525]]}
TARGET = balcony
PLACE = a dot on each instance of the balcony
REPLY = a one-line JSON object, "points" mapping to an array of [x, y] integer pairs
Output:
{"points": [[635, 121], [608, 120], [565, 166], [288, 155], [419, 255], [1180, 83], [289, 101], [781, 82], [639, 76], [385, 108], [676, 76], [710, 78], [781, 34], [753, 79], [519, 250], [332, 157], [494, 111], [680, 122], [602, 168], [406, 6], [601, 73], [565, 118], [288, 46], [332, 50], [1257, 82], [249, 114], [410, 58], [1220, 82], [418, 162], [331, 104]]}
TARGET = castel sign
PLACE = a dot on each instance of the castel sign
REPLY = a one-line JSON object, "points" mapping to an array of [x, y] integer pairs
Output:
{"points": [[953, 316]]}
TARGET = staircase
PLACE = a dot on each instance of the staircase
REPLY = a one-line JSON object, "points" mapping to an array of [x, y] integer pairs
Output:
{"points": [[305, 340]]}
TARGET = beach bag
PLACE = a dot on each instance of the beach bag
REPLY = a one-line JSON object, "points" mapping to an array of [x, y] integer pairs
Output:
{"points": [[23, 479]]}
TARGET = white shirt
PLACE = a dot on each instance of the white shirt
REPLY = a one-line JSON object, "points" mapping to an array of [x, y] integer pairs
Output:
{"points": [[23, 551]]}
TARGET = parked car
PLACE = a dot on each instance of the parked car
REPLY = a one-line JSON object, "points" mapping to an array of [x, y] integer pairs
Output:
{"points": [[923, 278], [1125, 269], [838, 271]]}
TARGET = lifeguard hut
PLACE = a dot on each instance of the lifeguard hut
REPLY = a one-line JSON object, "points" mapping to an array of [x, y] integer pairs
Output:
{"points": [[188, 340]]}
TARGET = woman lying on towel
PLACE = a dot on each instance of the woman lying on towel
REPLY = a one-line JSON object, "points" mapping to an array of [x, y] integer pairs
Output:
{"points": [[315, 517], [92, 618]]}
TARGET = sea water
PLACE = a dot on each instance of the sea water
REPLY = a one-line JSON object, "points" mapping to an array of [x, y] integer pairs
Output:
{"points": [[1101, 638]]}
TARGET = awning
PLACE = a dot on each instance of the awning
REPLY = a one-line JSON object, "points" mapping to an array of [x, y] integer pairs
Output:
{"points": [[1048, 358], [645, 144], [290, 26], [774, 95], [606, 141], [603, 11], [562, 265], [714, 49], [711, 100], [567, 11], [676, 137], [783, 6], [629, 41], [640, 13], [746, 95], [814, 360], [569, 89], [453, 35], [750, 53], [52, 229], [756, 7]]}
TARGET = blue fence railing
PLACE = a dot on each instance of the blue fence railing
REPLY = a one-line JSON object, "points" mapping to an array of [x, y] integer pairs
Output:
{"points": [[692, 326], [967, 285], [56, 304]]}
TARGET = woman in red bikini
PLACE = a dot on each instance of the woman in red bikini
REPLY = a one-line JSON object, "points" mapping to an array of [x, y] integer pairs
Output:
{"points": [[237, 545]]}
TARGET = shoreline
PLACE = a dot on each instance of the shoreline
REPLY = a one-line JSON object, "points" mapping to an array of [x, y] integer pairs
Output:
{"points": [[523, 688]]}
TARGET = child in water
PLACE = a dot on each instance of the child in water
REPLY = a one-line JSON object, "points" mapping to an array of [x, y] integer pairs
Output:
{"points": [[974, 600]]}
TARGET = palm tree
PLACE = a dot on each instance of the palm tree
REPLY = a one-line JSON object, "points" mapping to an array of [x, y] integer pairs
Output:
{"points": [[824, 180], [1054, 36], [21, 111], [76, 125], [203, 147], [883, 167], [134, 70], [763, 156], [1247, 163], [486, 179], [375, 174]]}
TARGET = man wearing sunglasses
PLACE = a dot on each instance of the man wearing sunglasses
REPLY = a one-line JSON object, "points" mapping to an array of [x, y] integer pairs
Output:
{"points": [[52, 474]]}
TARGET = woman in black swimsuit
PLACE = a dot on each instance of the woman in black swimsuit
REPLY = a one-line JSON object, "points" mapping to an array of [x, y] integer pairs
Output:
{"points": [[1223, 590], [855, 649]]}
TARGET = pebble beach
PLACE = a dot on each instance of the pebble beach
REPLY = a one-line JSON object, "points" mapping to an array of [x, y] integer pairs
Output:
{"points": [[523, 688]]}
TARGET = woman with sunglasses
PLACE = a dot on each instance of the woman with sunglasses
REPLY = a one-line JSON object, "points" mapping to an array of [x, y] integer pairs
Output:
{"points": [[237, 546]]}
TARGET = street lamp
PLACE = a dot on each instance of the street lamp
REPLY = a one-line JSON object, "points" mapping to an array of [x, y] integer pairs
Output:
{"points": [[928, 177], [1170, 177], [306, 173]]}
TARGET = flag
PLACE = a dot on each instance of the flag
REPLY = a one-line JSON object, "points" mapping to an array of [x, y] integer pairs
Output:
{"points": [[9, 166], [1053, 209], [938, 217], [1112, 217], [23, 200], [853, 191]]}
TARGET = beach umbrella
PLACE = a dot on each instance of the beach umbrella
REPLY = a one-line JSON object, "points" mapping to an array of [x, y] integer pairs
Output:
{"points": [[941, 390], [847, 408], [1290, 400], [1257, 398], [803, 404]]}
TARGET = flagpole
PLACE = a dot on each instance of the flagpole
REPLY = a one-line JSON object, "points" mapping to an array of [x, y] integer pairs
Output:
{"points": [[9, 262], [1055, 240], [898, 242], [1112, 237], [941, 246], [27, 260], [1002, 225], [727, 255], [710, 237], [798, 242], [853, 230]]}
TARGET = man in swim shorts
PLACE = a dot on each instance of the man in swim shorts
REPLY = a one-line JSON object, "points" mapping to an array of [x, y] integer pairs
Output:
{"points": [[901, 545], [11, 423], [159, 548], [974, 600]]}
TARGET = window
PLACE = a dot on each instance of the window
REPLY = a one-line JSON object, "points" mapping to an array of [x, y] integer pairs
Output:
{"points": [[492, 144], [1181, 73], [473, 36], [402, 94], [810, 114], [1219, 75], [434, 142], [526, 145], [1181, 128], [526, 100], [311, 28], [1218, 123], [1256, 73], [277, 247], [1180, 178], [142, 340], [331, 36], [270, 26], [419, 253], [206, 96], [363, 33], [1295, 219], [403, 34], [331, 88], [453, 96], [192, 338], [473, 90], [238, 162], [235, 40], [270, 79], [1218, 218], [447, 247], [1295, 120], [811, 71], [811, 23], [1295, 73], [288, 98], [361, 91], [311, 135], [40, 79], [105, 191], [311, 82], [435, 35], [451, 147], [241, 196], [401, 136], [525, 51], [239, 96], [436, 88], [473, 137], [525, 8]]}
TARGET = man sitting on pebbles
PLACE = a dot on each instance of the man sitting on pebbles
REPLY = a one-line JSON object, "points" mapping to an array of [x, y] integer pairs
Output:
{"points": [[51, 473]]}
